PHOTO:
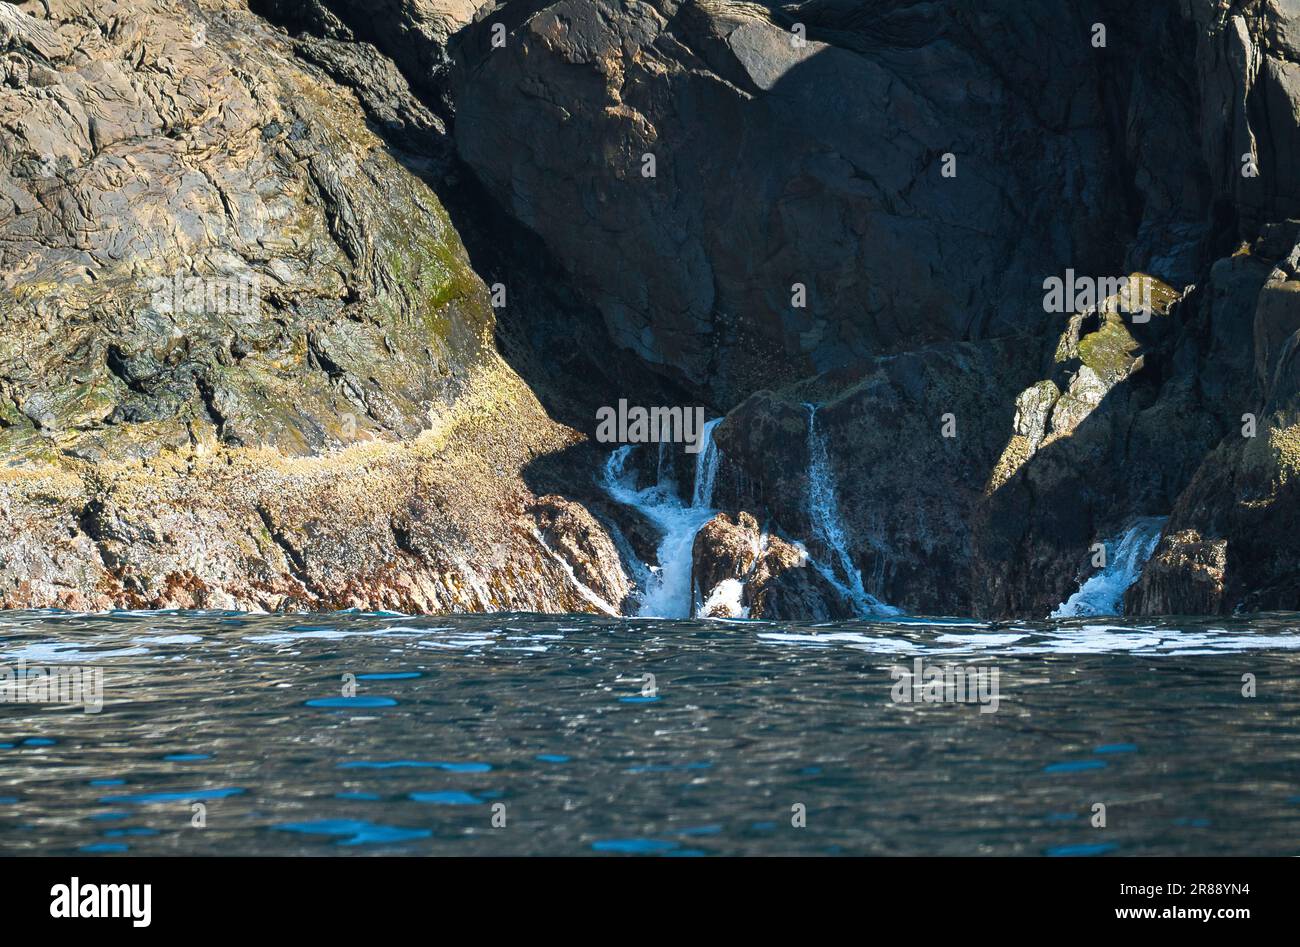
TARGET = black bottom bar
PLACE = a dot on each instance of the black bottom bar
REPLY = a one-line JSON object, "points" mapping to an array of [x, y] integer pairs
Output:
{"points": [[335, 897]]}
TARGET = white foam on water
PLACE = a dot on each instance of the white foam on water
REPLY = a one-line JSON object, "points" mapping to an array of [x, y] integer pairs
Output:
{"points": [[991, 640], [1103, 592], [852, 639], [725, 600], [53, 652], [461, 640], [1059, 639], [329, 634]]}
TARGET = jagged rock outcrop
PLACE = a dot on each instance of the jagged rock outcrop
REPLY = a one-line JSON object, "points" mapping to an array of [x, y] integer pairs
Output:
{"points": [[740, 570], [244, 361], [1231, 542]]}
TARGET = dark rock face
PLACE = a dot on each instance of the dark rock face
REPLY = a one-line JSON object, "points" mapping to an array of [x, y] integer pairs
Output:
{"points": [[822, 165], [247, 361], [1231, 541], [906, 493]]}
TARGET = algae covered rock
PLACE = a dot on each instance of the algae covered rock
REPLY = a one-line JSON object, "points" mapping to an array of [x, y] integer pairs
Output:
{"points": [[1231, 542], [245, 361]]}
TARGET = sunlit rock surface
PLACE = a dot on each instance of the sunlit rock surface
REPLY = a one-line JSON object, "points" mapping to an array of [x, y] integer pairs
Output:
{"points": [[343, 435]]}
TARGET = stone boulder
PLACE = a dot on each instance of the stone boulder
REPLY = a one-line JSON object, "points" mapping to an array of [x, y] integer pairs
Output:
{"points": [[739, 570]]}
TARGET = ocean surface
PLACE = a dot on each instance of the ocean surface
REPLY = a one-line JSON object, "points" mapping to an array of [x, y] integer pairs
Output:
{"points": [[512, 734]]}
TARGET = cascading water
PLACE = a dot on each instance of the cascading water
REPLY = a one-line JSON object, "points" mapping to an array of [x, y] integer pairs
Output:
{"points": [[824, 516], [668, 593], [706, 467], [1103, 592]]}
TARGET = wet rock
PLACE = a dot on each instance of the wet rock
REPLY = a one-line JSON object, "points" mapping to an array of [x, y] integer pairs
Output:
{"points": [[784, 588], [724, 549], [582, 542], [1184, 576], [740, 571]]}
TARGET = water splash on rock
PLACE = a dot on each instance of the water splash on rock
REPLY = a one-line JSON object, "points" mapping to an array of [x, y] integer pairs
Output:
{"points": [[668, 593], [1103, 592]]}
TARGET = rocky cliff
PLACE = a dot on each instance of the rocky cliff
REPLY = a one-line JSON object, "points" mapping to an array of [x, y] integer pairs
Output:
{"points": [[245, 361], [468, 225]]}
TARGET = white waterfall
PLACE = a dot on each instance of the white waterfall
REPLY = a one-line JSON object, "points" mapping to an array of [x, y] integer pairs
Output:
{"points": [[824, 516], [668, 593], [706, 467], [1103, 592]]}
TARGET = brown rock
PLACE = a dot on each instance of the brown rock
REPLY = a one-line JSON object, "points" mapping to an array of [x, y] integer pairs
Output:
{"points": [[1184, 576]]}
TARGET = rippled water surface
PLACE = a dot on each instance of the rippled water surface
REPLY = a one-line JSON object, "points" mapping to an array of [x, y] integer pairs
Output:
{"points": [[553, 719]]}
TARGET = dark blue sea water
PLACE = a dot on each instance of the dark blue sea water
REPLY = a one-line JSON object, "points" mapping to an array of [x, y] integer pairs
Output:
{"points": [[549, 727]]}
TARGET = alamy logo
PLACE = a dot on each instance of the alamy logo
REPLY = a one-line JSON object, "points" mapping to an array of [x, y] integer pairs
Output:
{"points": [[1081, 293], [657, 425], [945, 683], [59, 684], [207, 295], [77, 900]]}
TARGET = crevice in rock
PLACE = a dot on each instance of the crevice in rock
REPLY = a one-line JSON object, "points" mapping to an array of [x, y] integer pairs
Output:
{"points": [[298, 565], [208, 397]]}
